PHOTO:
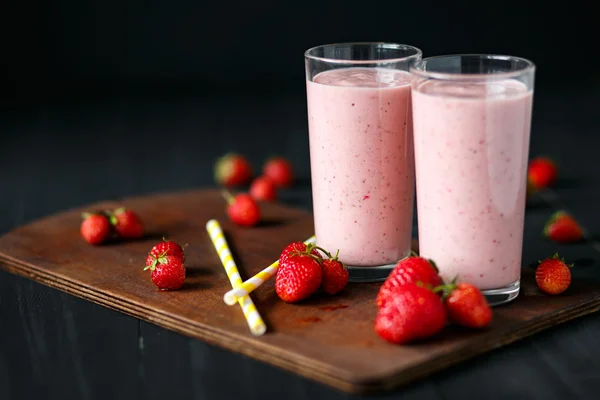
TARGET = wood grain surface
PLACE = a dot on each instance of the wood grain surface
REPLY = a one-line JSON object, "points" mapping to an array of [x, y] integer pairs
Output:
{"points": [[327, 339]]}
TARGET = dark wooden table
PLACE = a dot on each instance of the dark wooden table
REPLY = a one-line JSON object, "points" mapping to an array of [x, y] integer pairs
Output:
{"points": [[55, 346]]}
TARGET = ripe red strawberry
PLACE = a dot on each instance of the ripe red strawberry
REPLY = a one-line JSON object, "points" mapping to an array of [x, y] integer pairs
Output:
{"points": [[242, 209], [552, 275], [542, 172], [411, 269], [563, 228], [335, 275], [127, 223], [280, 171], [232, 170], [168, 272], [467, 306], [298, 247], [263, 188], [414, 312], [95, 228], [298, 277], [165, 248]]}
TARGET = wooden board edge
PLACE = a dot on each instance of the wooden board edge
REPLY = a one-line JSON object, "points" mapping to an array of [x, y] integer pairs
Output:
{"points": [[321, 375], [476, 348], [195, 331]]}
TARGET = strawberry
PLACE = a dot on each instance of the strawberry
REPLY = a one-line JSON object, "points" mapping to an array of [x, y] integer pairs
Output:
{"points": [[280, 171], [542, 172], [411, 269], [467, 306], [299, 275], [242, 209], [552, 275], [298, 247], [165, 248], [263, 188], [414, 312], [563, 228], [127, 223], [95, 228], [335, 275], [232, 170], [168, 272]]}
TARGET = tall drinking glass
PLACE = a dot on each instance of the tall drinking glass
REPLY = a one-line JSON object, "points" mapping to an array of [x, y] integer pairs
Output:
{"points": [[472, 117], [361, 153]]}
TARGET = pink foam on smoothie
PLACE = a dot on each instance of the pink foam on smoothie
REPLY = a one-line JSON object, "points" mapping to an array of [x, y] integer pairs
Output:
{"points": [[471, 150], [362, 163]]}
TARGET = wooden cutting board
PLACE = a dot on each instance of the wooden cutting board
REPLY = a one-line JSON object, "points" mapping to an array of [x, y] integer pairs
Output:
{"points": [[327, 339]]}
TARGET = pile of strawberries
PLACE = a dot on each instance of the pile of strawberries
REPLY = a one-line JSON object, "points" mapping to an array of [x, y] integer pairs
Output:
{"points": [[303, 270], [234, 170], [415, 304], [99, 226]]}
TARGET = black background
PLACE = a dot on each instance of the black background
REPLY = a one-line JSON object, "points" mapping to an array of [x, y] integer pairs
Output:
{"points": [[102, 100], [69, 48]]}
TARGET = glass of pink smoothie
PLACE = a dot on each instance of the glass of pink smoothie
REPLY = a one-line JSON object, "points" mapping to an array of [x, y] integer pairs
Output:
{"points": [[472, 117], [361, 153]]}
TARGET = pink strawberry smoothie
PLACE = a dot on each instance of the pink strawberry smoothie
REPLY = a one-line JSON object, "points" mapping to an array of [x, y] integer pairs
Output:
{"points": [[362, 163], [471, 150]]}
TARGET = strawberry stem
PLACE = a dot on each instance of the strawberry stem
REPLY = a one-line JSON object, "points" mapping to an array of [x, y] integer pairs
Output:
{"points": [[228, 197], [328, 254]]}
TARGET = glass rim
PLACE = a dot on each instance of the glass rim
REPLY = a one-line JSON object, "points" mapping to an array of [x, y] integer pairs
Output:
{"points": [[417, 53], [417, 68]]}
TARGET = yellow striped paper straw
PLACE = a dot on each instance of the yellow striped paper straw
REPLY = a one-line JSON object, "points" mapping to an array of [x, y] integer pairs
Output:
{"points": [[254, 283], [255, 321]]}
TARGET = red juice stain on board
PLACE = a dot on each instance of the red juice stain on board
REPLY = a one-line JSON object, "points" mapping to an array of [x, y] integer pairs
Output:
{"points": [[309, 320], [334, 307]]}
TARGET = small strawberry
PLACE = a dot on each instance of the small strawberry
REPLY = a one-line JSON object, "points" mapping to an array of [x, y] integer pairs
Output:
{"points": [[242, 209], [280, 171], [95, 228], [263, 188], [542, 172], [552, 275], [409, 270], [298, 276], [165, 248], [414, 312], [168, 272], [563, 228], [335, 275], [232, 170], [467, 306], [298, 247], [127, 223]]}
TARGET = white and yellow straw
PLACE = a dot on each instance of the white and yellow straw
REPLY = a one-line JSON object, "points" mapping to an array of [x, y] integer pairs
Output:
{"points": [[255, 321], [254, 283]]}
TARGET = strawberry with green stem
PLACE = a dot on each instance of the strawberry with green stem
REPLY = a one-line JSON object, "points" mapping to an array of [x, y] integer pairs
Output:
{"points": [[553, 275], [562, 227], [409, 270], [95, 228], [335, 273], [127, 224], [232, 169], [415, 312], [299, 275], [167, 272], [466, 305], [242, 209], [166, 248]]}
